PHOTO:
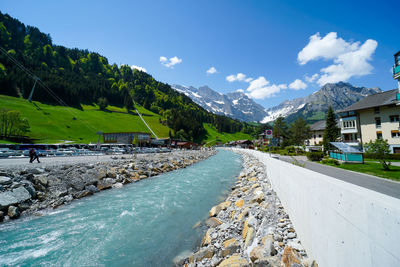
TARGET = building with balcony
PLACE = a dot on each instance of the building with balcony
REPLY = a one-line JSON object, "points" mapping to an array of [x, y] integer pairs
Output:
{"points": [[373, 117]]}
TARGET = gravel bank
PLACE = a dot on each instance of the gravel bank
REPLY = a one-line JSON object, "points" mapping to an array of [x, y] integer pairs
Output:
{"points": [[250, 228], [30, 188]]}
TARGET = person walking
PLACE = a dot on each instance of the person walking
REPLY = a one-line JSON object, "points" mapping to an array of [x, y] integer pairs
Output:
{"points": [[35, 156], [31, 155]]}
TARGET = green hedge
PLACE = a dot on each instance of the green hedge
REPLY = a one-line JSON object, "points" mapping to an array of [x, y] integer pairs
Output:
{"points": [[390, 156], [330, 161]]}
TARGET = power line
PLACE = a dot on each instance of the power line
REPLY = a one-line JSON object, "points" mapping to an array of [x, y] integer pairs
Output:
{"points": [[40, 82]]}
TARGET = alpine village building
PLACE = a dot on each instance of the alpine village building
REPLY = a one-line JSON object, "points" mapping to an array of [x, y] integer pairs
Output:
{"points": [[374, 117]]}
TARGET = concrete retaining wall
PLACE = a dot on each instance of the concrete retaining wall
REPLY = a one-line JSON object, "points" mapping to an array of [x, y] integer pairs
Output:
{"points": [[338, 223]]}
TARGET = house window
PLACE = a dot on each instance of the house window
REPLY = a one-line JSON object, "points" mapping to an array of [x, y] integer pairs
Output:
{"points": [[376, 110], [394, 118], [378, 135], [378, 122], [395, 134], [319, 136]]}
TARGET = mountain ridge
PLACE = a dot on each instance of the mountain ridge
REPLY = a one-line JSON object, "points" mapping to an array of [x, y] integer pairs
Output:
{"points": [[312, 107]]}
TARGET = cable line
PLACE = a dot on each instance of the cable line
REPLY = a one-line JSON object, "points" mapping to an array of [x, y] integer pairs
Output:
{"points": [[48, 90]]}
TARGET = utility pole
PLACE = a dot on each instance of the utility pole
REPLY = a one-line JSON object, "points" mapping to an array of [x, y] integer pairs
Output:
{"points": [[33, 88]]}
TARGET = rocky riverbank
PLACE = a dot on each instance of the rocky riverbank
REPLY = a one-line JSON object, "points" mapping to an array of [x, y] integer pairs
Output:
{"points": [[30, 189], [250, 228]]}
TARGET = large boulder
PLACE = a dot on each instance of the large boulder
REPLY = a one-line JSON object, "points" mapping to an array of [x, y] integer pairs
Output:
{"points": [[234, 261], [4, 180], [16, 196]]}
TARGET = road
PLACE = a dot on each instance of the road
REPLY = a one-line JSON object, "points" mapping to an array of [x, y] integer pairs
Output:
{"points": [[53, 161], [381, 185]]}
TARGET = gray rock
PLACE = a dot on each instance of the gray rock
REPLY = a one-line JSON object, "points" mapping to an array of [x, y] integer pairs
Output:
{"points": [[4, 180], [109, 181], [35, 171], [41, 180], [13, 212], [13, 197], [1, 216], [29, 187], [117, 185], [92, 188], [291, 235]]}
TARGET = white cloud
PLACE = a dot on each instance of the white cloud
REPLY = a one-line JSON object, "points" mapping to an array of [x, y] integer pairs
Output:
{"points": [[248, 80], [351, 59], [297, 85], [169, 63], [240, 90], [211, 70], [260, 88], [238, 77], [350, 64], [312, 78], [328, 47], [138, 68]]}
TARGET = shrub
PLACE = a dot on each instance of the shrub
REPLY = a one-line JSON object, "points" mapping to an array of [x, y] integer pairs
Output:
{"points": [[315, 156], [330, 161]]}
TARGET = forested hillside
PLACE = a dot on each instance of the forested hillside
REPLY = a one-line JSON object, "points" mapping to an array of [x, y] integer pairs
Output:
{"points": [[82, 77]]}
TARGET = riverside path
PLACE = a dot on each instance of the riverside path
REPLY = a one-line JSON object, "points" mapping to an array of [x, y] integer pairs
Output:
{"points": [[381, 185]]}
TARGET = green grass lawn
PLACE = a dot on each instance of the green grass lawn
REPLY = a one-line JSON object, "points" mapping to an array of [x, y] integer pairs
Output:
{"points": [[214, 136], [52, 124], [373, 169], [394, 160]]}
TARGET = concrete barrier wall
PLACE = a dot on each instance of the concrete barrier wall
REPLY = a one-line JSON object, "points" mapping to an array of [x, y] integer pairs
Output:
{"points": [[338, 223]]}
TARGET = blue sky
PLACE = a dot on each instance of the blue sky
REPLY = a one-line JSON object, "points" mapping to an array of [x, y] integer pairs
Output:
{"points": [[269, 49]]}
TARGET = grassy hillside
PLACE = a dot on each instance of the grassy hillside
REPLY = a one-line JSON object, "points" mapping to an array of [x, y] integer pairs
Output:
{"points": [[214, 136], [52, 124]]}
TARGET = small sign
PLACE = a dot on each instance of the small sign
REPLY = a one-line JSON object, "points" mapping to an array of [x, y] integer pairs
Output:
{"points": [[268, 133]]}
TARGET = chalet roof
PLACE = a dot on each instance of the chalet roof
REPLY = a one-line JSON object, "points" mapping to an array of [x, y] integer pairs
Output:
{"points": [[321, 125], [375, 100], [243, 142]]}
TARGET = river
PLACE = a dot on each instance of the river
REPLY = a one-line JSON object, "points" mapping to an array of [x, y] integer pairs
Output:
{"points": [[142, 224]]}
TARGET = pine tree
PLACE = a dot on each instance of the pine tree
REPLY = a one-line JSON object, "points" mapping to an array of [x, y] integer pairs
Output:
{"points": [[280, 130], [299, 132], [332, 132]]}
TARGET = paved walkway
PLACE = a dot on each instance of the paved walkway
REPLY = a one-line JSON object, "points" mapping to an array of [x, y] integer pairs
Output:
{"points": [[381, 185]]}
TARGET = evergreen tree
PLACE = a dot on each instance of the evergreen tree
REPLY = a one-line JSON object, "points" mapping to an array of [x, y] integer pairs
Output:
{"points": [[280, 130], [299, 132], [332, 132]]}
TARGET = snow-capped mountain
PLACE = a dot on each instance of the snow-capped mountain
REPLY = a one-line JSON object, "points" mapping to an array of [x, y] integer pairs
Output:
{"points": [[314, 107], [235, 105]]}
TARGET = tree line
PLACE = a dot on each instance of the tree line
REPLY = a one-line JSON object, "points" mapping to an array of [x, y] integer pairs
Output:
{"points": [[82, 77]]}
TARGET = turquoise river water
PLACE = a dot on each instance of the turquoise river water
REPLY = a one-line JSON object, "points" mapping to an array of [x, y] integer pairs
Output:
{"points": [[142, 224]]}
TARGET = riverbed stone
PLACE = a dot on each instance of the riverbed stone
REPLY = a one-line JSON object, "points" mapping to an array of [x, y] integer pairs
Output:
{"points": [[290, 258], [4, 180], [41, 179], [214, 211], [243, 214], [13, 212], [117, 185], [213, 222], [249, 237], [207, 238], [234, 261], [224, 205], [205, 253], [13, 197], [239, 203]]}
